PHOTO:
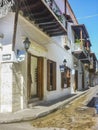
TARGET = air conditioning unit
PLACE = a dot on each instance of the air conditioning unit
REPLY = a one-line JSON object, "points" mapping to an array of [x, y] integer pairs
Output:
{"points": [[8, 57]]}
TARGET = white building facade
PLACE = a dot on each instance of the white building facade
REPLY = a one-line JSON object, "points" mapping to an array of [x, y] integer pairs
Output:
{"points": [[38, 73]]}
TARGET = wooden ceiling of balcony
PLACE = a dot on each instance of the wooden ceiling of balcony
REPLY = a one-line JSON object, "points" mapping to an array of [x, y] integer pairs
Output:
{"points": [[85, 60], [79, 54], [41, 15], [78, 28]]}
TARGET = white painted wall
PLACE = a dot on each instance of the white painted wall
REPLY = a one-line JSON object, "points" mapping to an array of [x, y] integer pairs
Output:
{"points": [[61, 5], [6, 28]]}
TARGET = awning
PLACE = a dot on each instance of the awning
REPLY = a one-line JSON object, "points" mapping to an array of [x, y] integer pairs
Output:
{"points": [[77, 28]]}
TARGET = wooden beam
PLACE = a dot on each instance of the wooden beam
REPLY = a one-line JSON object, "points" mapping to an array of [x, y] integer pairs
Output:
{"points": [[32, 6], [28, 76], [81, 38], [15, 25]]}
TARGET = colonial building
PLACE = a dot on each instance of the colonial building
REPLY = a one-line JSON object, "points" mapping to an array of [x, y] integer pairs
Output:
{"points": [[39, 57]]}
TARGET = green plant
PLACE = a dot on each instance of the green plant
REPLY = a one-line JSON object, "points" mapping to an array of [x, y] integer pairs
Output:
{"points": [[77, 41]]}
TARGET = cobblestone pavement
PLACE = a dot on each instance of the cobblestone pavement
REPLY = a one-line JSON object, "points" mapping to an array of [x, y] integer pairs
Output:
{"points": [[77, 115]]}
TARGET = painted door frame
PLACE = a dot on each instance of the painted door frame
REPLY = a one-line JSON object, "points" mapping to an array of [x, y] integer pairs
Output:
{"points": [[40, 75]]}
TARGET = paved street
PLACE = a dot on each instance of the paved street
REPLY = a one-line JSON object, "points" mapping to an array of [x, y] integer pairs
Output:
{"points": [[77, 115]]}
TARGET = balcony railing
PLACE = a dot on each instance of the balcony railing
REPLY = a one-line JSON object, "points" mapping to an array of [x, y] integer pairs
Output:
{"points": [[53, 6], [80, 47]]}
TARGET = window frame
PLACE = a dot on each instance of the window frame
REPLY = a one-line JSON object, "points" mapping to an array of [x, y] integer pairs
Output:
{"points": [[53, 75], [66, 78]]}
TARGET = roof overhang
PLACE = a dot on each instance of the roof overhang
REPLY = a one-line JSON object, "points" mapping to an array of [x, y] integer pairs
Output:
{"points": [[77, 28]]}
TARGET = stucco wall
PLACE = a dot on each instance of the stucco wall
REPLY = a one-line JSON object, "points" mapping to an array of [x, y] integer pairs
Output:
{"points": [[58, 54], [19, 95], [6, 28]]}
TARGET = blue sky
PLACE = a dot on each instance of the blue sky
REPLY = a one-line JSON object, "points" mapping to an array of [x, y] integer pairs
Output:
{"points": [[86, 11]]}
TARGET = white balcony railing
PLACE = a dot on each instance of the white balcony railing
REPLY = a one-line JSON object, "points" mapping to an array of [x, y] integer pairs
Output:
{"points": [[79, 47]]}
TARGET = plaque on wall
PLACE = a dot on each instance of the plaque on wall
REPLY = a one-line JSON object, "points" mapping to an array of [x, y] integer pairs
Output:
{"points": [[6, 57]]}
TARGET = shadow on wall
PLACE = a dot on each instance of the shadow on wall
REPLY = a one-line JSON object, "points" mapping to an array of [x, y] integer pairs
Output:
{"points": [[18, 90]]}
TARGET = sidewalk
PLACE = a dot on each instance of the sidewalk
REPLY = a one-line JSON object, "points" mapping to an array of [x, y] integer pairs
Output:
{"points": [[38, 111]]}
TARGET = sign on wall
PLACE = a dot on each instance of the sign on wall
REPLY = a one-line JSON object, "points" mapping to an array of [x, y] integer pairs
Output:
{"points": [[62, 68], [6, 57]]}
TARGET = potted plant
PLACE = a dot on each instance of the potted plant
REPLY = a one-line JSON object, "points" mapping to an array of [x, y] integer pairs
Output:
{"points": [[77, 41]]}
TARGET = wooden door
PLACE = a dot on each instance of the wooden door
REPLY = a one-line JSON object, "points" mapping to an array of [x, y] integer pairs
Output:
{"points": [[83, 80], [76, 79], [34, 77]]}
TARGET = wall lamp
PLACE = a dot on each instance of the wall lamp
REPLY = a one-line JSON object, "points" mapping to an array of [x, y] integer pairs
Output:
{"points": [[63, 66], [64, 62], [26, 43]]}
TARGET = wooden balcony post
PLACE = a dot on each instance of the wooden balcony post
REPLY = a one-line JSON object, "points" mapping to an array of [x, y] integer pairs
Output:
{"points": [[81, 38], [15, 25]]}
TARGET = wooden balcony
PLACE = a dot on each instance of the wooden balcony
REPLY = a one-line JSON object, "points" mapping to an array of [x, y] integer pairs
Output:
{"points": [[81, 53], [46, 15], [80, 31]]}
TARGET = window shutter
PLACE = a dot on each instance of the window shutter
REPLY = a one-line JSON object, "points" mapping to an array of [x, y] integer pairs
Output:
{"points": [[62, 79], [54, 76], [40, 77], [48, 75], [28, 76], [51, 75]]}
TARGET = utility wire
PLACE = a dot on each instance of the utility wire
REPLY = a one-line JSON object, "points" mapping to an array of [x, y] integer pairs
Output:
{"points": [[87, 17]]}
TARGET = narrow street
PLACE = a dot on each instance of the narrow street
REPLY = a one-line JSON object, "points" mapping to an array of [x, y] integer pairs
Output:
{"points": [[80, 114], [48, 65]]}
